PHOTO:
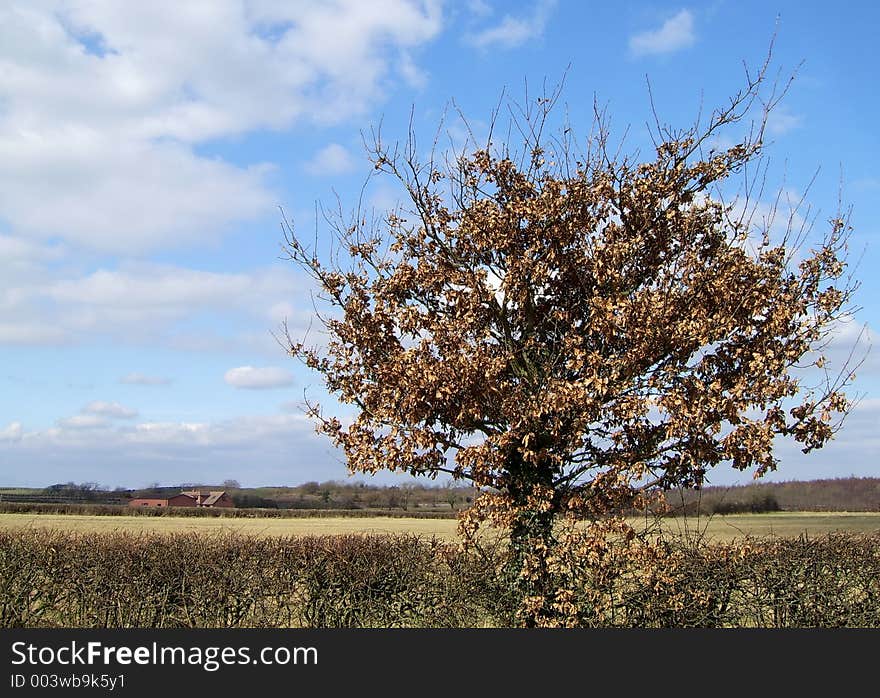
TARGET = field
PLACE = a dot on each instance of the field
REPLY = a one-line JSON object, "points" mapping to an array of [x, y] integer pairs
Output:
{"points": [[785, 524], [263, 527], [717, 528]]}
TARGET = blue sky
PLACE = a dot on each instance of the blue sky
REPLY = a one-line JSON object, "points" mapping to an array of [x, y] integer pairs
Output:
{"points": [[145, 149]]}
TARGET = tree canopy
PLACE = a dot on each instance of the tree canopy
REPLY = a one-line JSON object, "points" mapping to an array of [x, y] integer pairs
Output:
{"points": [[571, 328]]}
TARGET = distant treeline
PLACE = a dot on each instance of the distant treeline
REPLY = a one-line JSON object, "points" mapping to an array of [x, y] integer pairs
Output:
{"points": [[329, 495], [57, 499], [67, 493], [839, 494], [413, 499], [409, 497]]}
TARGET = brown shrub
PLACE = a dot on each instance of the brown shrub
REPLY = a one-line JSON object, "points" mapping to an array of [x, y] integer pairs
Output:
{"points": [[60, 579]]}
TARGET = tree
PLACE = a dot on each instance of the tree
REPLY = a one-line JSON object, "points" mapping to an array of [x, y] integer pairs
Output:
{"points": [[570, 329], [450, 495]]}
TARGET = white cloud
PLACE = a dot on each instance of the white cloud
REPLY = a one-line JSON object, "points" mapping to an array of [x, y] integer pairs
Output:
{"points": [[27, 333], [410, 72], [333, 159], [122, 196], [780, 217], [252, 449], [252, 378], [136, 378], [676, 33], [854, 344], [145, 303], [11, 432], [854, 450], [780, 121], [384, 198], [480, 8], [513, 31], [109, 409], [18, 252], [256, 451], [168, 432], [280, 312], [149, 287], [104, 103], [82, 421]]}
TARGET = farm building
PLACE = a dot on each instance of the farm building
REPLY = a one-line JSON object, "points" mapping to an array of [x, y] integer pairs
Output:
{"points": [[147, 502], [192, 498], [198, 499]]}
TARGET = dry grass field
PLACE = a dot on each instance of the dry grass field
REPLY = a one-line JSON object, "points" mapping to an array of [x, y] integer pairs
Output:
{"points": [[779, 524], [442, 528], [718, 528]]}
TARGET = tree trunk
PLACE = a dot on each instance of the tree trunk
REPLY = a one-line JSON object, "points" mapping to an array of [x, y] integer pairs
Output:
{"points": [[531, 541]]}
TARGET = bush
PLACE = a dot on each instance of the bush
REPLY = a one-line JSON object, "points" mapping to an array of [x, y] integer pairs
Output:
{"points": [[55, 579], [758, 504], [61, 579]]}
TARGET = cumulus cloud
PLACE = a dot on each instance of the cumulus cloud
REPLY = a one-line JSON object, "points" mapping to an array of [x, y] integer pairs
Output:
{"points": [[674, 34], [512, 31], [21, 252], [123, 197], [11, 432], [854, 450], [412, 74], [251, 378], [782, 216], [149, 287], [333, 159], [104, 104], [82, 421], [109, 409], [279, 312], [136, 378], [256, 450], [27, 333], [145, 303], [172, 452]]}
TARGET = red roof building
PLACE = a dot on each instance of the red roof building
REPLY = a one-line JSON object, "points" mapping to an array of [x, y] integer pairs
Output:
{"points": [[147, 502], [192, 498], [212, 499]]}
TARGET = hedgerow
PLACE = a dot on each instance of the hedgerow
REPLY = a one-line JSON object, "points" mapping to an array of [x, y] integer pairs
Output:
{"points": [[50, 578]]}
